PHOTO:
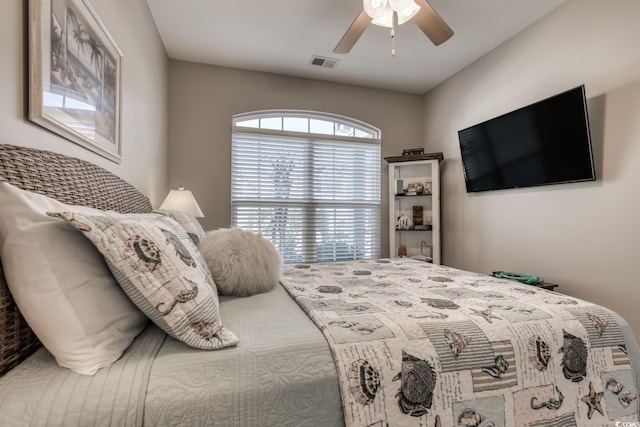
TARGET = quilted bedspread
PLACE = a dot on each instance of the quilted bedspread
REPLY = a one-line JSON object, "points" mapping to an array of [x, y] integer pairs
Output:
{"points": [[421, 344], [280, 374], [40, 393]]}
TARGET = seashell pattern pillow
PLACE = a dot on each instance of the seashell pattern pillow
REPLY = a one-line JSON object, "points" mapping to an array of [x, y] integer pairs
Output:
{"points": [[161, 271], [189, 222]]}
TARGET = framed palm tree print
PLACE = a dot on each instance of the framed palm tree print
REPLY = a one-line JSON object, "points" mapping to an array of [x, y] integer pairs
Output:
{"points": [[75, 75]]}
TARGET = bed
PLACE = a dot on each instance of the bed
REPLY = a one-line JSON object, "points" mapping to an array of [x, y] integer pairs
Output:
{"points": [[375, 342]]}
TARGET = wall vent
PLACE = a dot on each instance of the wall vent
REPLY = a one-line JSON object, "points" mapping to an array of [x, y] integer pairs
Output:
{"points": [[321, 61]]}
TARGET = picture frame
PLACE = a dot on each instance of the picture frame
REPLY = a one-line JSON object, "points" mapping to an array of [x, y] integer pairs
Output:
{"points": [[428, 187], [75, 75]]}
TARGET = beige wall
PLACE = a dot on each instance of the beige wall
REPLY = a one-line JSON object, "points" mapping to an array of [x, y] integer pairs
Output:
{"points": [[204, 98], [144, 101], [583, 236]]}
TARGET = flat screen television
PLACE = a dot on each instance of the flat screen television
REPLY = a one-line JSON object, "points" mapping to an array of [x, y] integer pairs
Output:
{"points": [[547, 142]]}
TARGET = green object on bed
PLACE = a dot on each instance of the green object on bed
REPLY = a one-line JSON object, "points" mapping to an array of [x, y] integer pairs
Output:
{"points": [[528, 279]]}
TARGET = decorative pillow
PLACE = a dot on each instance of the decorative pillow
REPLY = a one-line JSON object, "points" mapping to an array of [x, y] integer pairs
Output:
{"points": [[189, 222], [162, 272], [62, 285], [241, 262]]}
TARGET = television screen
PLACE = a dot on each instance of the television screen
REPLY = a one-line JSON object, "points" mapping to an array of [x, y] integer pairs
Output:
{"points": [[547, 142]]}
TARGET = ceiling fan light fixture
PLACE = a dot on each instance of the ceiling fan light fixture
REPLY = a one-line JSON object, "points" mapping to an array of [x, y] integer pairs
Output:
{"points": [[374, 8], [386, 19], [406, 9]]}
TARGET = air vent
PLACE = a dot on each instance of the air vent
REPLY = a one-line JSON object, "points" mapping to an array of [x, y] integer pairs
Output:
{"points": [[321, 61]]}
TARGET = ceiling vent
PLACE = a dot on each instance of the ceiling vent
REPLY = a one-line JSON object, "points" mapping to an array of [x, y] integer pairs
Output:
{"points": [[321, 61]]}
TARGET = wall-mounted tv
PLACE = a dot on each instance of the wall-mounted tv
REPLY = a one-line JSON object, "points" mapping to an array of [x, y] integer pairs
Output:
{"points": [[547, 142]]}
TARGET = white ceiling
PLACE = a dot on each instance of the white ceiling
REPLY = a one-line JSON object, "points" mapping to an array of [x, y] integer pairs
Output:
{"points": [[281, 36]]}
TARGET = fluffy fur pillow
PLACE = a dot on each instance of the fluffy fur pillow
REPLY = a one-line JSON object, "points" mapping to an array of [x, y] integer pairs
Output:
{"points": [[242, 263]]}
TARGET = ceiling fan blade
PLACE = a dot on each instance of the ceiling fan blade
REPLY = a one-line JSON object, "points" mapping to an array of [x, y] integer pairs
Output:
{"points": [[354, 32], [432, 24]]}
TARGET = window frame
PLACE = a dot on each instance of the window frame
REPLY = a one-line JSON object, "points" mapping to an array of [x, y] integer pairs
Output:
{"points": [[304, 114], [357, 126]]}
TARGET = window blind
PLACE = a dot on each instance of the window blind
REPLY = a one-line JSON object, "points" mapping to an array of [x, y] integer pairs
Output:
{"points": [[315, 199]]}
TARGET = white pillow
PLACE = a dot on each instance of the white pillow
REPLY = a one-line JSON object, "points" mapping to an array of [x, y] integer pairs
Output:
{"points": [[62, 285], [161, 270], [241, 262]]}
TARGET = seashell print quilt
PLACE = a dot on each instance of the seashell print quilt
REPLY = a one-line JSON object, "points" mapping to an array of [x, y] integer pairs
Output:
{"points": [[426, 345]]}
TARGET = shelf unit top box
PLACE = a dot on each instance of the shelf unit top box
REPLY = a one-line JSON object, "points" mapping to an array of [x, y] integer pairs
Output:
{"points": [[430, 156]]}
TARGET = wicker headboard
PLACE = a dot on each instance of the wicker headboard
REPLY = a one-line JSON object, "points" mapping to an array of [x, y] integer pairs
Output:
{"points": [[68, 180]]}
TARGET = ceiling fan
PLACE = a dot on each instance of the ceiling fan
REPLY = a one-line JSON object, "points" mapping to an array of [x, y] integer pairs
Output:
{"points": [[381, 12]]}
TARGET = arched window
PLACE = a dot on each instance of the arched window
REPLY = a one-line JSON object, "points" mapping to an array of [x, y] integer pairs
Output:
{"points": [[309, 182]]}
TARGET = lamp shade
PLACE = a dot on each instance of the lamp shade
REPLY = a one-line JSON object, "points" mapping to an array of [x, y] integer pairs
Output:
{"points": [[182, 200], [406, 9], [374, 8], [381, 11], [386, 18]]}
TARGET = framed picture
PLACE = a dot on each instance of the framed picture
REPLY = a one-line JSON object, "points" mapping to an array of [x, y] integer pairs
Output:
{"points": [[75, 72]]}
